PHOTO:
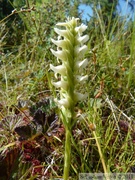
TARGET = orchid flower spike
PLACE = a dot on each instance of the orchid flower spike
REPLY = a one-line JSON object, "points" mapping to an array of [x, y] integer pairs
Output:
{"points": [[70, 52]]}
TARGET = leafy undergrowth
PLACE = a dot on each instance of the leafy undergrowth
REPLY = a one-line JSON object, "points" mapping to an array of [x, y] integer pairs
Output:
{"points": [[32, 141]]}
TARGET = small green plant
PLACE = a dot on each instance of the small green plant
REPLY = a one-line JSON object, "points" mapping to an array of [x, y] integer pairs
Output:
{"points": [[71, 50]]}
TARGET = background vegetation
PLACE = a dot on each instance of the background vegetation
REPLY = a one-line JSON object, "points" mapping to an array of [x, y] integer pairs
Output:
{"points": [[31, 146]]}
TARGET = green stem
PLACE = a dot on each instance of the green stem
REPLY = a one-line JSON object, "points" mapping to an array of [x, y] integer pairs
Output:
{"points": [[101, 156], [100, 153], [67, 157]]}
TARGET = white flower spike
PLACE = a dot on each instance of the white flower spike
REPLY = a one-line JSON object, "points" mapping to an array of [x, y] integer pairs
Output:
{"points": [[70, 51]]}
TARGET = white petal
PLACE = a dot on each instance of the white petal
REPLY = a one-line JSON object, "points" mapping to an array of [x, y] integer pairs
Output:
{"points": [[58, 69], [59, 54], [61, 84], [68, 22], [81, 28], [83, 39], [62, 24], [80, 51], [79, 96], [83, 49], [81, 78], [63, 102], [65, 33], [81, 64], [63, 43], [61, 32], [59, 43]]}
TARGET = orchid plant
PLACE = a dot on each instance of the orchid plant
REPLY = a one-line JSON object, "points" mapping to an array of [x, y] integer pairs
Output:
{"points": [[70, 53]]}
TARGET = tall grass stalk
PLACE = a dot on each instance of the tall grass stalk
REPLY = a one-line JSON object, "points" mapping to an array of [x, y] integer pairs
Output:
{"points": [[132, 56]]}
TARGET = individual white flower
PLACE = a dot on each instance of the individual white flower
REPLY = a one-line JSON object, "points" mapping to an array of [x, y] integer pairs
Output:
{"points": [[79, 96], [68, 22], [62, 43], [81, 64], [60, 54], [65, 33], [59, 69], [81, 29], [64, 102], [83, 39], [61, 84], [81, 79], [80, 51]]}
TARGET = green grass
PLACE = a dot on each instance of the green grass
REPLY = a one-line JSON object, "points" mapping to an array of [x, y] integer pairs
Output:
{"points": [[24, 72]]}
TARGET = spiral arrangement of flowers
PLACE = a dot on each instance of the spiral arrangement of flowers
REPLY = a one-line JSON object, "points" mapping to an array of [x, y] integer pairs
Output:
{"points": [[70, 54]]}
